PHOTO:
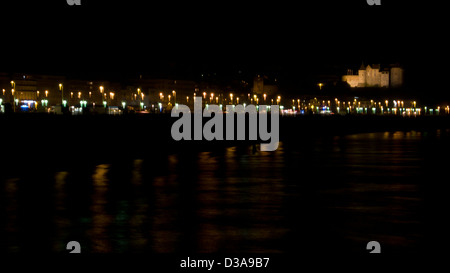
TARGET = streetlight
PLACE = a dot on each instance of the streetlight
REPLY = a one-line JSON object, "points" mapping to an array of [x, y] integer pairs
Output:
{"points": [[265, 95], [46, 93], [139, 94], [231, 98], [320, 86], [101, 91], [174, 96], [61, 88], [13, 86]]}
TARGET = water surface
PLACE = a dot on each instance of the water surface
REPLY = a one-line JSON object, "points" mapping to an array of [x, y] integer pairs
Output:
{"points": [[316, 195]]}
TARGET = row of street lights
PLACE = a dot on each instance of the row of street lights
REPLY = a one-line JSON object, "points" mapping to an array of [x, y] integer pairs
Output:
{"points": [[213, 98]]}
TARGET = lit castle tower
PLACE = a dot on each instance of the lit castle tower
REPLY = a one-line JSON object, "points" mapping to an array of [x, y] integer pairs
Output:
{"points": [[374, 76], [396, 76]]}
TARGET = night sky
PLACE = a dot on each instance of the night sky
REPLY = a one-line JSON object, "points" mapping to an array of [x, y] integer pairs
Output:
{"points": [[291, 40]]}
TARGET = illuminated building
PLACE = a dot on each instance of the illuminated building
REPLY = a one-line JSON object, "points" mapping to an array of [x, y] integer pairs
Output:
{"points": [[375, 76]]}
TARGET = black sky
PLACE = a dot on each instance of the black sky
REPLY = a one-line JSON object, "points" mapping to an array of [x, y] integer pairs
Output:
{"points": [[122, 38]]}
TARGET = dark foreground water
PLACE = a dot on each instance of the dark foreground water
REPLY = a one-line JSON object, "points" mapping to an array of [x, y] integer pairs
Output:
{"points": [[317, 195]]}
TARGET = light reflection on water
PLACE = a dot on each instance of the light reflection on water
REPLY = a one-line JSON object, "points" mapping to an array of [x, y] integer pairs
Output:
{"points": [[344, 190]]}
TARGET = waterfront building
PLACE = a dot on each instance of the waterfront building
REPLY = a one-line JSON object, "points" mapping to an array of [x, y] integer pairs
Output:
{"points": [[375, 76]]}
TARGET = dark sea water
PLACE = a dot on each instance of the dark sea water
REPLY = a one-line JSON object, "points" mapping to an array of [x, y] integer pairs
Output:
{"points": [[316, 195]]}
